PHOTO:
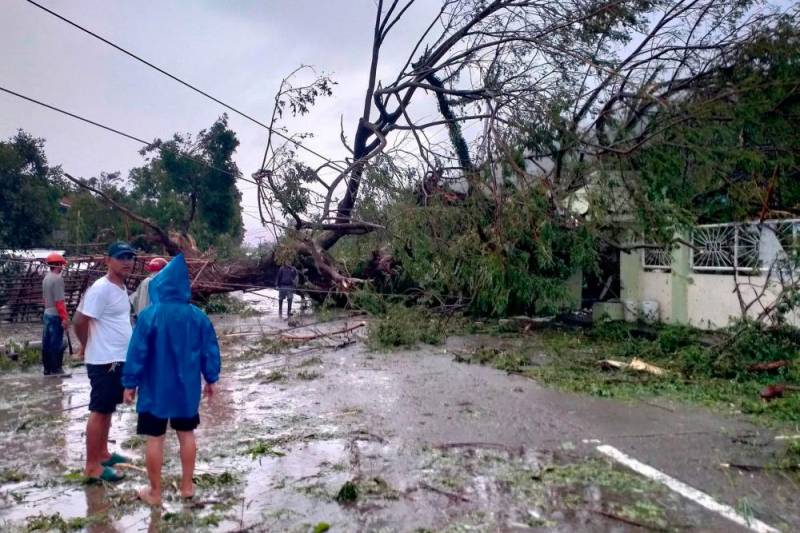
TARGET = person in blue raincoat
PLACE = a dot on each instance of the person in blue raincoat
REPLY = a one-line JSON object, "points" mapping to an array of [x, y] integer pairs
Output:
{"points": [[173, 345]]}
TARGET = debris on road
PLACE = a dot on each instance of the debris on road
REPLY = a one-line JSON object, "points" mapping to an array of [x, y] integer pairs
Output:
{"points": [[635, 364], [770, 392], [770, 367]]}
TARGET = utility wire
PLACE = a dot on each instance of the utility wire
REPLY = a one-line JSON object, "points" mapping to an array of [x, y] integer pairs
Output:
{"points": [[186, 84], [122, 133]]}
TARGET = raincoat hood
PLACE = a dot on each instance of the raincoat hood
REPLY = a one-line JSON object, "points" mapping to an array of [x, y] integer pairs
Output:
{"points": [[171, 284]]}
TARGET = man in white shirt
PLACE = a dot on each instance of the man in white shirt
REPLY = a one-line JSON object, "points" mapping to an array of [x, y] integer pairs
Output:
{"points": [[103, 326]]}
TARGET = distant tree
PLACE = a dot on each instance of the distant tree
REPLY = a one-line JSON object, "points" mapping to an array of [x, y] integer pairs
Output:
{"points": [[189, 185], [29, 193], [92, 220]]}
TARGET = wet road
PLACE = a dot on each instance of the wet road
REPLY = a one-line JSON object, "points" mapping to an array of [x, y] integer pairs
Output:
{"points": [[429, 444]]}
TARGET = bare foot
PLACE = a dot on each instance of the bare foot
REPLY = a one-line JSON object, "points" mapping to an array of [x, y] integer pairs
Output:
{"points": [[149, 497], [187, 492]]}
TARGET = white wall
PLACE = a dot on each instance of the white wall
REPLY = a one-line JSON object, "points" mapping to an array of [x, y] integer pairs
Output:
{"points": [[657, 285], [712, 302]]}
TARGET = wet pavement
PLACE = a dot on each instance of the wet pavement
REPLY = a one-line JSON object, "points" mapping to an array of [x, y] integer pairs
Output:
{"points": [[309, 433]]}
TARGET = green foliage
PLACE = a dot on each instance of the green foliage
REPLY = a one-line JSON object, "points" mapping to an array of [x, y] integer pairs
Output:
{"points": [[370, 301], [403, 326], [510, 361], [511, 258], [790, 459], [750, 343], [29, 193], [208, 480], [262, 447], [348, 493], [10, 475], [90, 219], [227, 304], [195, 192], [20, 357], [308, 375], [56, 522], [738, 153]]}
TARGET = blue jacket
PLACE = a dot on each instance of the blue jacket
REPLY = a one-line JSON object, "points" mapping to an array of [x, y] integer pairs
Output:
{"points": [[172, 345]]}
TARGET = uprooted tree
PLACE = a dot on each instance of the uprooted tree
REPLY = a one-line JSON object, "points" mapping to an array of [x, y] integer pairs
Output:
{"points": [[631, 107], [571, 98]]}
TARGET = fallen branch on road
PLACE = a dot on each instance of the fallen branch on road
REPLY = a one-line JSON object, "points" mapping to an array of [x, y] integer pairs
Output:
{"points": [[321, 335], [450, 495]]}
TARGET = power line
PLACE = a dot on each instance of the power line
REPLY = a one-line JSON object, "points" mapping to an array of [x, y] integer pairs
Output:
{"points": [[121, 133], [185, 83]]}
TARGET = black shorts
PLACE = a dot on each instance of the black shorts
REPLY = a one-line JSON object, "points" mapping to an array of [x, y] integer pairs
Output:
{"points": [[154, 426], [106, 382]]}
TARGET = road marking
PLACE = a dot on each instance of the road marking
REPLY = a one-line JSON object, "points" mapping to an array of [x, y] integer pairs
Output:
{"points": [[686, 491]]}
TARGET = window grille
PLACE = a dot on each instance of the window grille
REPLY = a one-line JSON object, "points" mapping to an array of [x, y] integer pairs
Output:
{"points": [[657, 258], [743, 247]]}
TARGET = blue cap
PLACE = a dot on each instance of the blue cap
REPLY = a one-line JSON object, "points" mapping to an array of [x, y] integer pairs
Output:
{"points": [[120, 249]]}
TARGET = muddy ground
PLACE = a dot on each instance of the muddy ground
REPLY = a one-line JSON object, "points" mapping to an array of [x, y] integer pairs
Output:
{"points": [[325, 433]]}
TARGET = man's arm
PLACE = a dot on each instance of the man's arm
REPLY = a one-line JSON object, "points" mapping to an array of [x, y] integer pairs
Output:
{"points": [[58, 302], [82, 330], [91, 307]]}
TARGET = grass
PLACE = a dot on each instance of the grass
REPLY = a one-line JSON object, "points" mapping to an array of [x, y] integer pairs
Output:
{"points": [[208, 480], [134, 442], [308, 375], [262, 447], [56, 522], [716, 377], [20, 357], [403, 326], [312, 361], [227, 304], [268, 344], [789, 460], [10, 475], [348, 493], [269, 377]]}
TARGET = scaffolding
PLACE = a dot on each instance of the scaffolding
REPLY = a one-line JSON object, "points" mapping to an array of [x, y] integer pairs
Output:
{"points": [[21, 297]]}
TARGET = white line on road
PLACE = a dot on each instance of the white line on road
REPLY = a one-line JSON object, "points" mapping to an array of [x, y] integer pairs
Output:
{"points": [[686, 491]]}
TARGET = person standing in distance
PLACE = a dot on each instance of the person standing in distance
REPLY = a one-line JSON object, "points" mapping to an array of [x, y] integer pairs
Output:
{"points": [[103, 326], [56, 319], [286, 282]]}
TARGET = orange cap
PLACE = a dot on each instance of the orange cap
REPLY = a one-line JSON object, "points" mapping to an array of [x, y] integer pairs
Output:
{"points": [[156, 264], [55, 258]]}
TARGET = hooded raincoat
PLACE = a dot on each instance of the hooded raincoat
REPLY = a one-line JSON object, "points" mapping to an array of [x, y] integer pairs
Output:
{"points": [[173, 344]]}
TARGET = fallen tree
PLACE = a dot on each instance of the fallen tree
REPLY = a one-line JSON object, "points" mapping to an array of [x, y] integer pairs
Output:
{"points": [[568, 96]]}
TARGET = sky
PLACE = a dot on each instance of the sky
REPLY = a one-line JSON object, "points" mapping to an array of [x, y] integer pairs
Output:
{"points": [[237, 51]]}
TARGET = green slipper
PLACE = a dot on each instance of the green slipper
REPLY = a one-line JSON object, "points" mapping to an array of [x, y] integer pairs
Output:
{"points": [[115, 459], [108, 474]]}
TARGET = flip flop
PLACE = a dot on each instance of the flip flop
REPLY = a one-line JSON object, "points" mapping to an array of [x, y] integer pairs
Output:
{"points": [[108, 474], [115, 459]]}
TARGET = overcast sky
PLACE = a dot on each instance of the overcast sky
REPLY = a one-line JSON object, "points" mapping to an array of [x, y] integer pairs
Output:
{"points": [[236, 51]]}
